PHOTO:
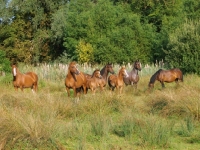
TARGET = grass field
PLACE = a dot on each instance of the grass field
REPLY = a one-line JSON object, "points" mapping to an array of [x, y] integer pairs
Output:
{"points": [[138, 119]]}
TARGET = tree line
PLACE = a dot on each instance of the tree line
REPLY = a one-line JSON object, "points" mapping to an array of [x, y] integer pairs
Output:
{"points": [[101, 31]]}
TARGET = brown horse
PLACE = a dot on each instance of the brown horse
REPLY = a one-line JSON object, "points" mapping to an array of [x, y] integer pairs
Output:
{"points": [[93, 82], [27, 80], [75, 80], [133, 76], [104, 73], [166, 76], [116, 81]]}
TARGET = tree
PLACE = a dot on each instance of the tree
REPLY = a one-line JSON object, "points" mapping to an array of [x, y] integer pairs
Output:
{"points": [[30, 21], [4, 62], [85, 52], [184, 47]]}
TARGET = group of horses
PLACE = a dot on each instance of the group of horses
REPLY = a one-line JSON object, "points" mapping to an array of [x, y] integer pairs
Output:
{"points": [[81, 82]]}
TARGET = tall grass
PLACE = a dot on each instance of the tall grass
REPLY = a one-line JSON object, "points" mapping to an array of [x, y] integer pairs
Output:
{"points": [[137, 119]]}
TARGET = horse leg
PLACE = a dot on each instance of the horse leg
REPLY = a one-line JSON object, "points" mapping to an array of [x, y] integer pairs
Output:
{"points": [[93, 91], [120, 90], [16, 88], [112, 88], [162, 83], [68, 91], [84, 89], [35, 87], [75, 92], [21, 87]]}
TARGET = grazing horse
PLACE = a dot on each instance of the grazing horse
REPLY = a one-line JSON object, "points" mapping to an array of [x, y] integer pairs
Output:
{"points": [[75, 80], [116, 81], [133, 76], [93, 82], [27, 80], [166, 76]]}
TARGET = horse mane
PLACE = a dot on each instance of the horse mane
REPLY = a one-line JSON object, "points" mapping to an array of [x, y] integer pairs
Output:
{"points": [[154, 76], [14, 78], [73, 75], [123, 67], [103, 70], [94, 72]]}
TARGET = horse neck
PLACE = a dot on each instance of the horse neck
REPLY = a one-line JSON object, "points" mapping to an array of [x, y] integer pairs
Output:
{"points": [[135, 70], [95, 78], [120, 75], [154, 77], [18, 74], [104, 73], [71, 75]]}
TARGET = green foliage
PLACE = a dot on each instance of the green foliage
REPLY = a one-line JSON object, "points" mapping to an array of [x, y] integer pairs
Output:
{"points": [[85, 52], [113, 31], [119, 31], [4, 62], [183, 48]]}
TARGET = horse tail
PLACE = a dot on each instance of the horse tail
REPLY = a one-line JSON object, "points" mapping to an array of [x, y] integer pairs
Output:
{"points": [[181, 75], [36, 82], [154, 77]]}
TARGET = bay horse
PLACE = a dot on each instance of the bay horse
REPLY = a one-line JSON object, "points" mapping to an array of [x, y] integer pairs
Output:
{"points": [[104, 73], [116, 81], [27, 80], [108, 68], [133, 76], [168, 76], [75, 80], [93, 82]]}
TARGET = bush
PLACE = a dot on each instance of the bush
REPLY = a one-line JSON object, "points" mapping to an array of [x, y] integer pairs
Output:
{"points": [[4, 62]]}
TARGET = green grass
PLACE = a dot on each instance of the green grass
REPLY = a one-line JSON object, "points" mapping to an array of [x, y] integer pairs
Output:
{"points": [[137, 119]]}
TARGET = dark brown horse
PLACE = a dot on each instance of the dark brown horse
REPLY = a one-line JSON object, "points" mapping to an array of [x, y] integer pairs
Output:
{"points": [[104, 73], [166, 76], [116, 81], [133, 76], [93, 82], [27, 80], [75, 80]]}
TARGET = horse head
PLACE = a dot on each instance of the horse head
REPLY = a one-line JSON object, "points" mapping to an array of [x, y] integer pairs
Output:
{"points": [[137, 65], [109, 68], [97, 74], [73, 68], [150, 85], [14, 70], [123, 72]]}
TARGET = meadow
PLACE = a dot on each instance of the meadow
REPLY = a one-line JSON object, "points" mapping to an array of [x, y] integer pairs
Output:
{"points": [[137, 119]]}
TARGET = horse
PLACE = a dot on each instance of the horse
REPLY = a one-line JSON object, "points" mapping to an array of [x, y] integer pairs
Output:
{"points": [[168, 76], [133, 76], [27, 80], [104, 73], [75, 80], [93, 82], [116, 81]]}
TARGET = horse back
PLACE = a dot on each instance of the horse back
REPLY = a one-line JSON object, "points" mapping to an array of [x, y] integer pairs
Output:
{"points": [[170, 75], [33, 76], [77, 81]]}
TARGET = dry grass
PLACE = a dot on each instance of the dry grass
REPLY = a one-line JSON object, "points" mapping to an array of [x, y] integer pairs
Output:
{"points": [[136, 119]]}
